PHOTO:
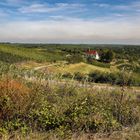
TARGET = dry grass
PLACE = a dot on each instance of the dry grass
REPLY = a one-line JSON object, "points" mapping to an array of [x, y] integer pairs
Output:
{"points": [[126, 134], [61, 67], [31, 64], [83, 68], [13, 92]]}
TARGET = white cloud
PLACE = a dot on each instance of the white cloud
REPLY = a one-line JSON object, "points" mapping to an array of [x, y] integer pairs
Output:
{"points": [[102, 5], [43, 8], [71, 31], [117, 27], [131, 6], [128, 7]]}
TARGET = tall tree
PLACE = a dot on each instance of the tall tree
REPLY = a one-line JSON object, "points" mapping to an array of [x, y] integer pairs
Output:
{"points": [[107, 56]]}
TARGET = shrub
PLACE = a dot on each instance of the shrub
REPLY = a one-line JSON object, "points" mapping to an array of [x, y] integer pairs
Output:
{"points": [[75, 58], [67, 75], [79, 76], [107, 56], [13, 98], [119, 78]]}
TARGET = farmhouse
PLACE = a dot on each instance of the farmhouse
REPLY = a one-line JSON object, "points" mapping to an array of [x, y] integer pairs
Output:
{"points": [[92, 54]]}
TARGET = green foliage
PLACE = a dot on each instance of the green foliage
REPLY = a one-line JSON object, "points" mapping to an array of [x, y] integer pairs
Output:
{"points": [[18, 54], [48, 109], [88, 114], [80, 77], [119, 78], [67, 75], [11, 58], [75, 58], [89, 60], [44, 117], [130, 67], [107, 56]]}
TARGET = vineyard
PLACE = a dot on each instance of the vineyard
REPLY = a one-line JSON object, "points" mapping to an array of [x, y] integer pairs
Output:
{"points": [[17, 53]]}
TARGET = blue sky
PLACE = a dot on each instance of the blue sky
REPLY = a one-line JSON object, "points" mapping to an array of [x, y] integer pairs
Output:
{"points": [[70, 21]]}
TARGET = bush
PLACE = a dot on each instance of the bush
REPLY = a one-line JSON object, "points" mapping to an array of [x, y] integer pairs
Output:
{"points": [[79, 76], [88, 115], [67, 75], [75, 58], [50, 109], [107, 56], [118, 78], [14, 97]]}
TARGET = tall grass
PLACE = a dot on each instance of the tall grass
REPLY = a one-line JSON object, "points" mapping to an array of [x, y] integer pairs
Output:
{"points": [[63, 109]]}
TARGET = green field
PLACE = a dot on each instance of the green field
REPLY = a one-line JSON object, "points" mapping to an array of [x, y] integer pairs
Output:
{"points": [[25, 53]]}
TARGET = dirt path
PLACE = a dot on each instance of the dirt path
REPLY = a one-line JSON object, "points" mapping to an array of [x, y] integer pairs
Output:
{"points": [[41, 67]]}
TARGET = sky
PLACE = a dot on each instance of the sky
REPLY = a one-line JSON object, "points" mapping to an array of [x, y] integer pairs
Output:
{"points": [[70, 21]]}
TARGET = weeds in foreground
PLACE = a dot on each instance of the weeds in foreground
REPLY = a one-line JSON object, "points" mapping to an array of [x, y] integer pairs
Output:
{"points": [[63, 109]]}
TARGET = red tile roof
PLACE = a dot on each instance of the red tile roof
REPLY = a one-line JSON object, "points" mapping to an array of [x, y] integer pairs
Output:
{"points": [[91, 52]]}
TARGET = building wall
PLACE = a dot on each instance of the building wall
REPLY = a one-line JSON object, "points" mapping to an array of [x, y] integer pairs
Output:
{"points": [[93, 56], [97, 57]]}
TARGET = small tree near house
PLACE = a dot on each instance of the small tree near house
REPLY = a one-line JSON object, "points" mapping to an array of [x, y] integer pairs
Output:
{"points": [[107, 56]]}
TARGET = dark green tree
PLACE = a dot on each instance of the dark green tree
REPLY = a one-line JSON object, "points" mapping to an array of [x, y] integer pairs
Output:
{"points": [[107, 56]]}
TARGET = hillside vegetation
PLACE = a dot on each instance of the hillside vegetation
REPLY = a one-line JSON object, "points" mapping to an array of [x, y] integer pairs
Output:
{"points": [[49, 92], [64, 109], [17, 52]]}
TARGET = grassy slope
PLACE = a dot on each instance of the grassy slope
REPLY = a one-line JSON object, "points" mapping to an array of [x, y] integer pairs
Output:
{"points": [[61, 67], [83, 68], [71, 68], [30, 53]]}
